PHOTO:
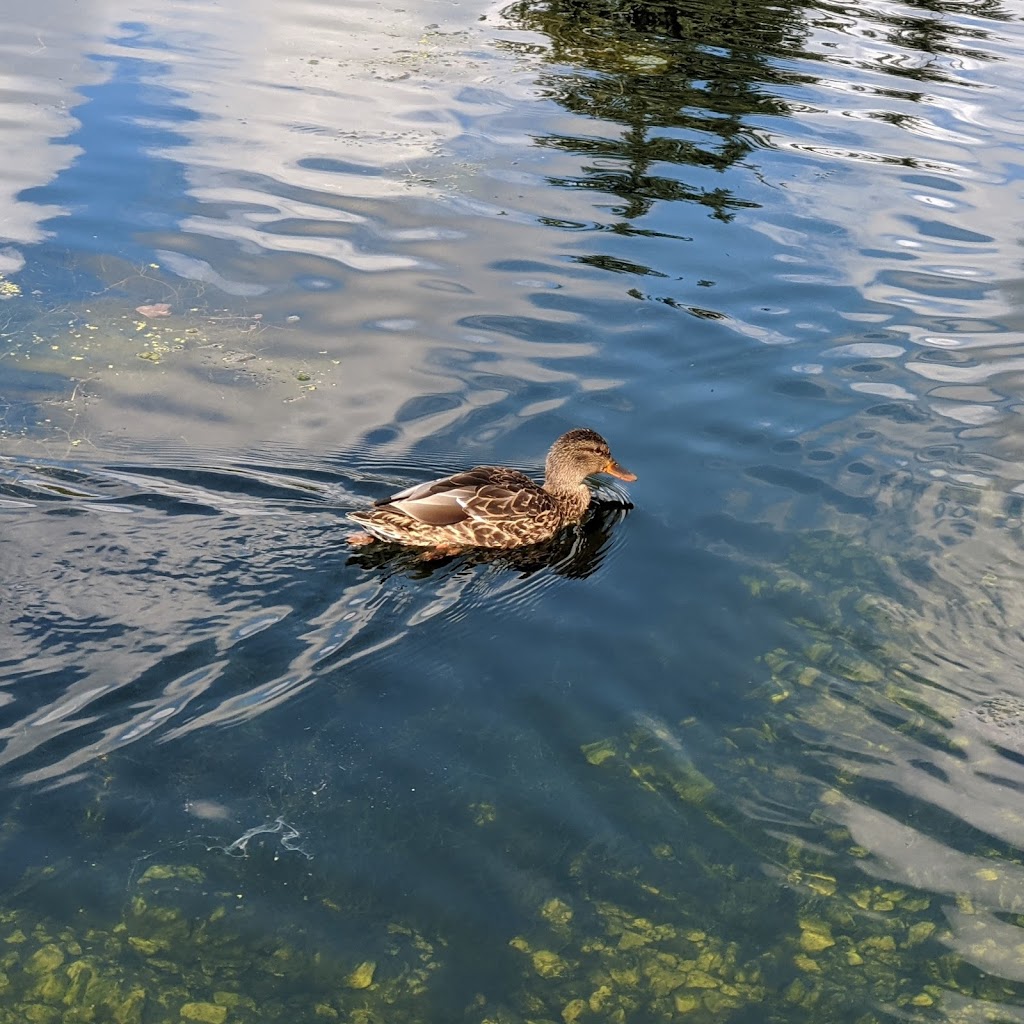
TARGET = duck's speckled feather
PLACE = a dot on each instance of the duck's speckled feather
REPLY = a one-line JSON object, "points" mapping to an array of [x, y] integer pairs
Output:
{"points": [[489, 506]]}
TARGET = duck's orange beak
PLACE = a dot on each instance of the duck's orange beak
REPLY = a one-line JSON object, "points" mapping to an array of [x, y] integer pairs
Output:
{"points": [[614, 469]]}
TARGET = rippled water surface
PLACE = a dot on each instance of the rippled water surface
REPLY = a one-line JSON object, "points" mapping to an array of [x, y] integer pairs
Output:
{"points": [[747, 746]]}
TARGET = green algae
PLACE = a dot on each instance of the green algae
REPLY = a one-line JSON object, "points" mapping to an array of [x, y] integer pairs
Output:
{"points": [[204, 1013], [159, 963], [362, 976]]}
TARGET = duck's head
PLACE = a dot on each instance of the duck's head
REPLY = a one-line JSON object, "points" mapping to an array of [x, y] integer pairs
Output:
{"points": [[578, 454]]}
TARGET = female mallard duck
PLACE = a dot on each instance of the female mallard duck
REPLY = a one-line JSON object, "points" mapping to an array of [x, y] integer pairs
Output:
{"points": [[493, 507]]}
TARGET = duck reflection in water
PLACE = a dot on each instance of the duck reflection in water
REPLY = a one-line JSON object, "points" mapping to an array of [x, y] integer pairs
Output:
{"points": [[492, 507]]}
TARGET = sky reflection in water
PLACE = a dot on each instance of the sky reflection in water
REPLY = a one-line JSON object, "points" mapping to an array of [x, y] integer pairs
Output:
{"points": [[757, 739]]}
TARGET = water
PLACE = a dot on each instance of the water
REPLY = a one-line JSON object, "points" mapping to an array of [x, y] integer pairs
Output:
{"points": [[746, 747]]}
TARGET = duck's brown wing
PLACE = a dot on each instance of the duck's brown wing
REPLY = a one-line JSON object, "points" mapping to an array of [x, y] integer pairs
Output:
{"points": [[486, 494]]}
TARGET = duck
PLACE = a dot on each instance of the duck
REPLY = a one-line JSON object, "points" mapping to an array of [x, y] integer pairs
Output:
{"points": [[493, 506]]}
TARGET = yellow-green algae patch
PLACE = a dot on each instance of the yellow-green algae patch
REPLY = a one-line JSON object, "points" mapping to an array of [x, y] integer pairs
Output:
{"points": [[158, 963], [204, 1013], [362, 976], [163, 872], [557, 912]]}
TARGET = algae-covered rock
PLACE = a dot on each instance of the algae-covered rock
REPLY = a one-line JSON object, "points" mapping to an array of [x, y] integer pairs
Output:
{"points": [[484, 813], [815, 936], [37, 1013], [598, 752], [147, 947], [102, 989], [233, 1000], [920, 932], [701, 979], [685, 1002], [45, 960], [163, 872], [631, 940], [557, 912], [204, 1013], [50, 988], [131, 1008], [600, 998], [362, 976], [806, 963], [548, 964], [573, 1010]]}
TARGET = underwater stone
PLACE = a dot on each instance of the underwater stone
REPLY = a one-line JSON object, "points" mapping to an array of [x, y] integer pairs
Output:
{"points": [[663, 980], [101, 990], [233, 1000], [824, 885], [717, 1004], [919, 932], [36, 1013], [628, 977], [860, 671], [147, 947], [548, 964], [805, 963], [130, 1011], [557, 912], [204, 1013], [362, 976], [632, 940], [572, 1010], [815, 936], [599, 752], [79, 1015], [484, 813], [685, 1003], [163, 872], [862, 898], [51, 989], [45, 960], [700, 979], [599, 997]]}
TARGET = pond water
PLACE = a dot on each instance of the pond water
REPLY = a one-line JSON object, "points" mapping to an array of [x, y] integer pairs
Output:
{"points": [[747, 746]]}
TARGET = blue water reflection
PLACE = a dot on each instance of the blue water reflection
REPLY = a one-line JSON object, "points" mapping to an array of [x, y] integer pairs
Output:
{"points": [[747, 744]]}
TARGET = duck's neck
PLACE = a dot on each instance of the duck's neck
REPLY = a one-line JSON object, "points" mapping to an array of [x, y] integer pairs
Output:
{"points": [[573, 498]]}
